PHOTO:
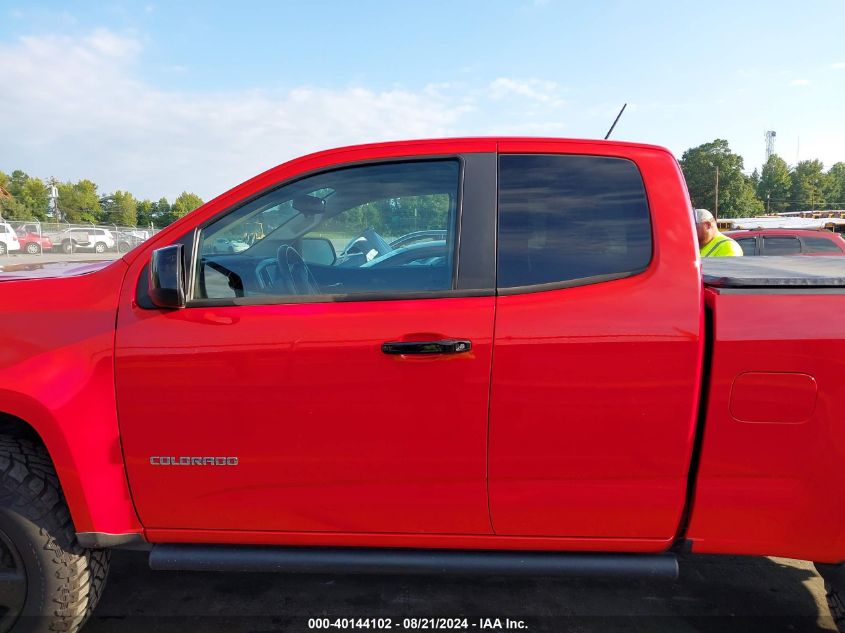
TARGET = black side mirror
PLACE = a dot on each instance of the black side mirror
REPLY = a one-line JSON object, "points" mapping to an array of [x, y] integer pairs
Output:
{"points": [[318, 250], [167, 277]]}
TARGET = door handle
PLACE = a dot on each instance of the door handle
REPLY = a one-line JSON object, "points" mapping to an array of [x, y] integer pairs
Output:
{"points": [[447, 346]]}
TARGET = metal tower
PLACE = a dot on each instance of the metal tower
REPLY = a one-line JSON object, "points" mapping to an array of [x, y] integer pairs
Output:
{"points": [[770, 143]]}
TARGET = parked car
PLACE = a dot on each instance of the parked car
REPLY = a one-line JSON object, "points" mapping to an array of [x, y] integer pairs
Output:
{"points": [[789, 242], [8, 239], [254, 411], [127, 240], [85, 239], [33, 243]]}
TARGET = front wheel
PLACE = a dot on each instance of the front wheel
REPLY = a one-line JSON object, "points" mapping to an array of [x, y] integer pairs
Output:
{"points": [[33, 249], [48, 581], [68, 246]]}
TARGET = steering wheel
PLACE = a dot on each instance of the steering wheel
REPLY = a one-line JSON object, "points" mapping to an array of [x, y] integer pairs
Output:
{"points": [[366, 241], [295, 272]]}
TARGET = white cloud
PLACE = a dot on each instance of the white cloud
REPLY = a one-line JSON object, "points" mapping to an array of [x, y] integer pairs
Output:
{"points": [[539, 90], [799, 82], [74, 108], [838, 66]]}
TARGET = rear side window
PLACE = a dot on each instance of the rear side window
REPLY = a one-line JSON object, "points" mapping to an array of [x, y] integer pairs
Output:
{"points": [[781, 246], [567, 218], [821, 245], [748, 245]]}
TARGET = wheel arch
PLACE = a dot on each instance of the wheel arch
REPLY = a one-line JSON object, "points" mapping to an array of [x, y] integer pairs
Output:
{"points": [[97, 504]]}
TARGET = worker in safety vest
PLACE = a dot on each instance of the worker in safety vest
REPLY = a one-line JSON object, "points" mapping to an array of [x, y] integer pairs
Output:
{"points": [[711, 243]]}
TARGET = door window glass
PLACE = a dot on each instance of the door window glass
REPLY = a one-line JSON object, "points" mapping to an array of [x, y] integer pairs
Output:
{"points": [[781, 246], [378, 229], [821, 245], [748, 245], [564, 218]]}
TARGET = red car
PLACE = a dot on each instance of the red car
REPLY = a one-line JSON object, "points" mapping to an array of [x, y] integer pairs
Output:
{"points": [[789, 242], [520, 369], [33, 243]]}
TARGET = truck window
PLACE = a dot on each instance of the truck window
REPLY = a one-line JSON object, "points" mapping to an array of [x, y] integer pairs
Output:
{"points": [[748, 245], [384, 228], [572, 219], [821, 245], [781, 246]]}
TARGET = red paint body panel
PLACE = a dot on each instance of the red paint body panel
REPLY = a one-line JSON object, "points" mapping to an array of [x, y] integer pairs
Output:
{"points": [[57, 374], [331, 434], [595, 388], [770, 488], [433, 541]]}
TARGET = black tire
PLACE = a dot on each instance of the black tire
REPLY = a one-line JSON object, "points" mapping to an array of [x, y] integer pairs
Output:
{"points": [[100, 247], [33, 248], [62, 581], [68, 246]]}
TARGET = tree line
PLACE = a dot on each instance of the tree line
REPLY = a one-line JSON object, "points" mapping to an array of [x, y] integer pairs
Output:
{"points": [[81, 203], [777, 188]]}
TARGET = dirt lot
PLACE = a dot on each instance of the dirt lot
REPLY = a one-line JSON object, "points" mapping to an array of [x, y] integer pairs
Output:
{"points": [[714, 594]]}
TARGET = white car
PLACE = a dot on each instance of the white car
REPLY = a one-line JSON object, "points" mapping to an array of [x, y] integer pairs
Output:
{"points": [[84, 239], [8, 239]]}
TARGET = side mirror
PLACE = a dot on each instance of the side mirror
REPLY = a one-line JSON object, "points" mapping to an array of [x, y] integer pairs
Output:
{"points": [[167, 277], [318, 250]]}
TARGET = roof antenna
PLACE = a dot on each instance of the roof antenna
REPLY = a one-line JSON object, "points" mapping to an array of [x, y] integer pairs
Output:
{"points": [[615, 121]]}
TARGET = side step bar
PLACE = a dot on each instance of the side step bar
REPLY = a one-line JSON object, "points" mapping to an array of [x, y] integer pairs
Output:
{"points": [[321, 560]]}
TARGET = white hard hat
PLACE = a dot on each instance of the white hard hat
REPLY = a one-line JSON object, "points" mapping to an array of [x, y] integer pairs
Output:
{"points": [[703, 215]]}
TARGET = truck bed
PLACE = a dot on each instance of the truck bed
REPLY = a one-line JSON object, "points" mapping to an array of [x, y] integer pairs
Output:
{"points": [[773, 434], [772, 272]]}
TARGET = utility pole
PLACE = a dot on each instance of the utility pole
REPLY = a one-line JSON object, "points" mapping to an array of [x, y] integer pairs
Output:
{"points": [[768, 199], [716, 211]]}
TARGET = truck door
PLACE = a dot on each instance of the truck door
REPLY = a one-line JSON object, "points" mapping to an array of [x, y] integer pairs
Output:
{"points": [[597, 343], [330, 372]]}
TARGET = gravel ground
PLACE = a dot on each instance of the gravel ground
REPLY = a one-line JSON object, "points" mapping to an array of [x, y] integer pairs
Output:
{"points": [[714, 594]]}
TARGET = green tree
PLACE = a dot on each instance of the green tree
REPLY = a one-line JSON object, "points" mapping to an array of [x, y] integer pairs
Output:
{"points": [[119, 208], [79, 202], [31, 195], [4, 181], [775, 188], [835, 187], [808, 185], [184, 204], [736, 191], [162, 213], [144, 212], [12, 209]]}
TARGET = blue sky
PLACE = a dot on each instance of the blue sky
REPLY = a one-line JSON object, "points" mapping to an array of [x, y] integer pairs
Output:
{"points": [[156, 97]]}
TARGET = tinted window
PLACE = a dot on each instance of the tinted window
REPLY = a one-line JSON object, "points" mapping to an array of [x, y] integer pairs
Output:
{"points": [[386, 228], [781, 246], [821, 245], [2, 228], [748, 245], [570, 217]]}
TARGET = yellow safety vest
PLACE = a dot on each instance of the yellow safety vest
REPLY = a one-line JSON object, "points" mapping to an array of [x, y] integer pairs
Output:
{"points": [[721, 246]]}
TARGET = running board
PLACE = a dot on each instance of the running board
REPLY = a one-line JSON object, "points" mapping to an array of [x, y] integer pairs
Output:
{"points": [[321, 560]]}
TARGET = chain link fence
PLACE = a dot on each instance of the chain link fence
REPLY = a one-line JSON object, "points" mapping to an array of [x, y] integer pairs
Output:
{"points": [[31, 237]]}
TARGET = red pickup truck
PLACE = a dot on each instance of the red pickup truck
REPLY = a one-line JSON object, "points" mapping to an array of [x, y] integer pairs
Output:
{"points": [[471, 355]]}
